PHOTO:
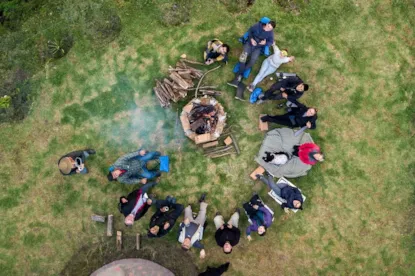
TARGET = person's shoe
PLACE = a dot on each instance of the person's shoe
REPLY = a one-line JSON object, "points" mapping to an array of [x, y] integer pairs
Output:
{"points": [[217, 214], [258, 176], [251, 87], [91, 151], [264, 118], [202, 197], [279, 106], [260, 102], [235, 81], [238, 210], [242, 100]]}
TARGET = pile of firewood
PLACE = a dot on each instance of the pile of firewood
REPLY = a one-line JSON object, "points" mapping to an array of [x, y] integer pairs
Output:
{"points": [[179, 83]]}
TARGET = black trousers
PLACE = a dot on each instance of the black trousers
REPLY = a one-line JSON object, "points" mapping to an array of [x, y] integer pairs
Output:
{"points": [[255, 200], [279, 119], [270, 95]]}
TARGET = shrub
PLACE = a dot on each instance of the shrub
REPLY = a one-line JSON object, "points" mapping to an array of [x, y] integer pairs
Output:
{"points": [[294, 6], [237, 6], [57, 48], [102, 25], [173, 14]]}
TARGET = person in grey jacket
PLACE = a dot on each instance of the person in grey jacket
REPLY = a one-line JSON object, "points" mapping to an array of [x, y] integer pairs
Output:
{"points": [[191, 229], [132, 168], [270, 65]]}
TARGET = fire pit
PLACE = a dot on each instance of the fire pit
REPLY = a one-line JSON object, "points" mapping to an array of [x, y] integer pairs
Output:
{"points": [[203, 119]]}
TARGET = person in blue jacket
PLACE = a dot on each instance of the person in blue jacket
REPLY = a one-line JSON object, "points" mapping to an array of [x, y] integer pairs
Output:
{"points": [[259, 35]]}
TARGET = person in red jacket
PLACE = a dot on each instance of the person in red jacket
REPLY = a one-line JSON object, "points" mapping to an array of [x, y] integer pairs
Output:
{"points": [[309, 153]]}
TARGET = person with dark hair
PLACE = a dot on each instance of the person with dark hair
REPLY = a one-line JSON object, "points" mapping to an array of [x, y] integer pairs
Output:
{"points": [[291, 195], [271, 64], [260, 216], [276, 158], [291, 89], [163, 220], [216, 51], [132, 168], [191, 229], [300, 116], [74, 162], [259, 35], [215, 271], [309, 153], [227, 236], [136, 204]]}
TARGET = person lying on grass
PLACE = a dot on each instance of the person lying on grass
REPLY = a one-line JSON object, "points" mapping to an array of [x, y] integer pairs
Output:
{"points": [[300, 116], [290, 89], [191, 230], [260, 216], [227, 236], [136, 204], [132, 168], [309, 153], [74, 162], [292, 195], [270, 65], [259, 36], [216, 51], [163, 220]]}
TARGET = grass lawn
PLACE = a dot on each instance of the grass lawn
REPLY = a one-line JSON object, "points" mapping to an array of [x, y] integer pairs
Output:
{"points": [[357, 56]]}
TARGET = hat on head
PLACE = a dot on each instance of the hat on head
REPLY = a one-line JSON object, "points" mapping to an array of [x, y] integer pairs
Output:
{"points": [[65, 165]]}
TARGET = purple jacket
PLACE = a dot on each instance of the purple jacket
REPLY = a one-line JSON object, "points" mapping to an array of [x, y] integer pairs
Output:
{"points": [[267, 221]]}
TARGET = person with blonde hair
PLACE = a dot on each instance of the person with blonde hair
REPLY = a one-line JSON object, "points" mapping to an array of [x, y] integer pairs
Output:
{"points": [[74, 162]]}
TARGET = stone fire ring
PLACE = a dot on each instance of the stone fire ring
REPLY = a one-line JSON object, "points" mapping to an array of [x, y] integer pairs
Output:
{"points": [[207, 137], [132, 267]]}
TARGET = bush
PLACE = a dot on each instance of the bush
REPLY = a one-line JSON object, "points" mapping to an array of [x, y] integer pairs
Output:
{"points": [[237, 6], [294, 6], [103, 25], [14, 95], [173, 14]]}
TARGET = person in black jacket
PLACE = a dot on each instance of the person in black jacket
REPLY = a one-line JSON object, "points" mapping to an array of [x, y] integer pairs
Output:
{"points": [[74, 162], [136, 204], [291, 89], [300, 116], [215, 271], [292, 196], [227, 236], [168, 211]]}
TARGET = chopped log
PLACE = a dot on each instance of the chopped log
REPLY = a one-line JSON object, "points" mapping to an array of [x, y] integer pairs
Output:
{"points": [[185, 76], [200, 81], [184, 72], [161, 100], [179, 65], [203, 87], [235, 144], [222, 154], [109, 225], [169, 82], [137, 242], [189, 82], [192, 62], [218, 150], [179, 80], [168, 87], [98, 218], [163, 89], [228, 141], [182, 93], [211, 144], [119, 240]]}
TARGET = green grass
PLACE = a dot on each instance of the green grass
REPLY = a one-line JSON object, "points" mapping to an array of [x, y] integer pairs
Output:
{"points": [[358, 58]]}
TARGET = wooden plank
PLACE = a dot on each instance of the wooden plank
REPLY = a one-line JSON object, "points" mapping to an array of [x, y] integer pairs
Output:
{"points": [[211, 144], [259, 170], [202, 138], [235, 144], [228, 141], [109, 225], [98, 218], [137, 242], [263, 126], [177, 79], [119, 240]]}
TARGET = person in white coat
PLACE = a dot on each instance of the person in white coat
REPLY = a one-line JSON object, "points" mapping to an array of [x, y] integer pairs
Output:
{"points": [[270, 65]]}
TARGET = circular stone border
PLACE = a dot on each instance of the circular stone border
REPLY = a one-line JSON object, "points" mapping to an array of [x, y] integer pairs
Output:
{"points": [[206, 137]]}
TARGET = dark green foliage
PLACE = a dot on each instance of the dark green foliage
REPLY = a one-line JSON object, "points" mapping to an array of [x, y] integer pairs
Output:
{"points": [[237, 6], [294, 6], [74, 114], [176, 13]]}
